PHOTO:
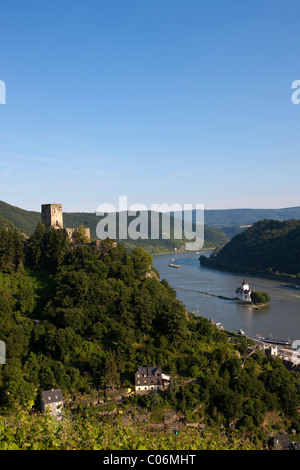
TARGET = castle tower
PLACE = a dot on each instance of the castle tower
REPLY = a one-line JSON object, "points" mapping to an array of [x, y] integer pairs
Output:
{"points": [[52, 216], [244, 292]]}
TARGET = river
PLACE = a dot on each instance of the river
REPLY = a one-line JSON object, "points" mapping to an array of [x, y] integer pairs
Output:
{"points": [[281, 317]]}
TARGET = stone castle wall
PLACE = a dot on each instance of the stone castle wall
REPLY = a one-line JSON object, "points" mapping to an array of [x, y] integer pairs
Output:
{"points": [[52, 216], [71, 232]]}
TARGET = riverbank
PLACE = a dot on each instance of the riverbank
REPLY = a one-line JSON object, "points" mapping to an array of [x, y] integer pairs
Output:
{"points": [[181, 251], [293, 278]]}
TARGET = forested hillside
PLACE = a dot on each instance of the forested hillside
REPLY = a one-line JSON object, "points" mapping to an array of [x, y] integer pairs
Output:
{"points": [[269, 246], [83, 319], [5, 224]]}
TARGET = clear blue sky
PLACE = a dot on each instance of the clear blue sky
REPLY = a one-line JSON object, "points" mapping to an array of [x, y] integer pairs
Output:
{"points": [[164, 101]]}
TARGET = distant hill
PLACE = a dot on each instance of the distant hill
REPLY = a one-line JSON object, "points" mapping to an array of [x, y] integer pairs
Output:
{"points": [[23, 220], [268, 246], [6, 224], [214, 237], [234, 221], [26, 222], [240, 217]]}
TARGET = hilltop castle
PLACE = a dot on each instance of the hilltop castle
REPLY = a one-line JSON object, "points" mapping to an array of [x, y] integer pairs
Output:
{"points": [[52, 216]]}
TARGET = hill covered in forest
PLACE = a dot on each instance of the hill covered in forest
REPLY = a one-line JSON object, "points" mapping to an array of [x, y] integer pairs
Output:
{"points": [[268, 246], [6, 224], [83, 319]]}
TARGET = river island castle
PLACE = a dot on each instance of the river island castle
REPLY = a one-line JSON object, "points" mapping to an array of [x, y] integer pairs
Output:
{"points": [[244, 292]]}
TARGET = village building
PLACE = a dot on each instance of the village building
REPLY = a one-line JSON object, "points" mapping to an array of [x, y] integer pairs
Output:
{"points": [[283, 442], [52, 402], [150, 379]]}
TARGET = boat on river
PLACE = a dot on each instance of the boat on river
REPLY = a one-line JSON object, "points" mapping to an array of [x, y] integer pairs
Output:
{"points": [[241, 332], [272, 340], [290, 286], [174, 265]]}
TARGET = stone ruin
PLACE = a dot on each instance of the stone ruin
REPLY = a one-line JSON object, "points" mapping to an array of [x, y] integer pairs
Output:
{"points": [[52, 216]]}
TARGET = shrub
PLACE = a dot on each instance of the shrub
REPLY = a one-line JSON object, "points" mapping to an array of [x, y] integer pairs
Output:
{"points": [[260, 297]]}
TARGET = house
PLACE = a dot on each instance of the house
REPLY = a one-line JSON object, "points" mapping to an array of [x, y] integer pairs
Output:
{"points": [[52, 401], [165, 381], [282, 442], [149, 379]]}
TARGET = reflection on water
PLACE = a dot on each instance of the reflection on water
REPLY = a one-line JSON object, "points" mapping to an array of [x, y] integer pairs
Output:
{"points": [[281, 317]]}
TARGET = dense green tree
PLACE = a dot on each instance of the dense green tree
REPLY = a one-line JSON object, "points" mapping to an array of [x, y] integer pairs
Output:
{"points": [[36, 246], [141, 262], [11, 250], [25, 294], [16, 389], [80, 236], [57, 247], [111, 376], [259, 297]]}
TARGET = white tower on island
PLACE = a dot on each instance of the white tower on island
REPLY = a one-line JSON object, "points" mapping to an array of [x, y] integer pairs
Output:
{"points": [[244, 292]]}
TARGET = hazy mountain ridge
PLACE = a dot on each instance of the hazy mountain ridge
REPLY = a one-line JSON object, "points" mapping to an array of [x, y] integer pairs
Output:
{"points": [[238, 217]]}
